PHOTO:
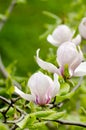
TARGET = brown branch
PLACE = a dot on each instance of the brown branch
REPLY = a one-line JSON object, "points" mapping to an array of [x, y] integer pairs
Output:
{"points": [[14, 127], [65, 122], [11, 104]]}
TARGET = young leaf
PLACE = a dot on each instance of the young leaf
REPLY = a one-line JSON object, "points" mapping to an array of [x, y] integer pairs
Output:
{"points": [[49, 14], [44, 113], [28, 120], [64, 97], [3, 126], [37, 125], [55, 116], [65, 87]]}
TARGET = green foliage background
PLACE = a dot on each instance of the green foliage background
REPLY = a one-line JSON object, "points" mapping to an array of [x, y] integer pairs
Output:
{"points": [[19, 38]]}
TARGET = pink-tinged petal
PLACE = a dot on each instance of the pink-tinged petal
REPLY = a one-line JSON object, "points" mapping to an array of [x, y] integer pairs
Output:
{"points": [[43, 88], [52, 41], [56, 86], [46, 65], [38, 83], [77, 40], [82, 28], [77, 60], [40, 86], [27, 97], [80, 70], [66, 53]]}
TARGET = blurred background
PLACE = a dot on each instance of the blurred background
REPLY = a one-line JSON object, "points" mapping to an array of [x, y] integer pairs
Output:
{"points": [[20, 36]]}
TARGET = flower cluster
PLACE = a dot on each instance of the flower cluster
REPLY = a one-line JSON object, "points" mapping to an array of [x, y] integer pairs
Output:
{"points": [[69, 54], [69, 58]]}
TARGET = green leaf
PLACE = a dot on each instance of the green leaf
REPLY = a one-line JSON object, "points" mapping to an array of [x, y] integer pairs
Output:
{"points": [[10, 90], [55, 116], [44, 113], [83, 110], [2, 82], [3, 126], [64, 89], [28, 120], [9, 87], [49, 14], [11, 68], [64, 97], [37, 125]]}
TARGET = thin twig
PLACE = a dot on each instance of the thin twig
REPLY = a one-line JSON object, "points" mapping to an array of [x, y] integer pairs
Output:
{"points": [[78, 85], [12, 105], [60, 104], [5, 100], [64, 122], [3, 70], [73, 90], [14, 127], [6, 74], [16, 121], [8, 12]]}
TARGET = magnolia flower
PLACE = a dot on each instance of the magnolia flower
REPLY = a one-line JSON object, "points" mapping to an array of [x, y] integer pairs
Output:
{"points": [[67, 54], [82, 28], [62, 34], [42, 88]]}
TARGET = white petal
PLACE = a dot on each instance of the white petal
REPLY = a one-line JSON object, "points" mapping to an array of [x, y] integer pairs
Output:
{"points": [[62, 33], [27, 97], [80, 70], [77, 60], [39, 83], [56, 85], [66, 53], [52, 41], [41, 87], [82, 28], [46, 65], [77, 39]]}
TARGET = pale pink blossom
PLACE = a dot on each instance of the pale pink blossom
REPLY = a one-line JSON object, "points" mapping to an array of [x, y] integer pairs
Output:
{"points": [[67, 54], [61, 34], [42, 88], [82, 28]]}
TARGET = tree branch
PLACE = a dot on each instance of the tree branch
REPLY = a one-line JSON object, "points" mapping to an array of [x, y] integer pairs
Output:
{"points": [[78, 85], [6, 75], [16, 121], [8, 12], [11, 104], [60, 104], [64, 122]]}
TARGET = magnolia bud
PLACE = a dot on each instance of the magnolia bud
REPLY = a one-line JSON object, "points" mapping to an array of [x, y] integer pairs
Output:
{"points": [[60, 35]]}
